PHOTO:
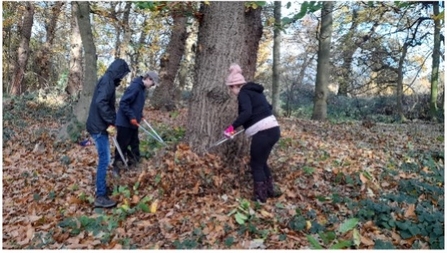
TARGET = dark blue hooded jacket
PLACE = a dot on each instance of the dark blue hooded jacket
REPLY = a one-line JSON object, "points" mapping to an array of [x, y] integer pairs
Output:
{"points": [[102, 108], [131, 104], [252, 105]]}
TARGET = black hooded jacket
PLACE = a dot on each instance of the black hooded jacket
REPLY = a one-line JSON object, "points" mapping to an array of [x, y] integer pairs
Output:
{"points": [[102, 108], [253, 106]]}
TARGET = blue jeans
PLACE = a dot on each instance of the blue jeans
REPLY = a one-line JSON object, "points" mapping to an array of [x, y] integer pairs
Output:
{"points": [[103, 148]]}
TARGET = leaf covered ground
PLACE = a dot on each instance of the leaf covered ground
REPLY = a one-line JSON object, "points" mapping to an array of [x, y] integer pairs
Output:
{"points": [[346, 185]]}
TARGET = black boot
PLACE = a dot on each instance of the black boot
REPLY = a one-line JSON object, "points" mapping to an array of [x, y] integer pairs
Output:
{"points": [[116, 169], [271, 193], [109, 191], [259, 192]]}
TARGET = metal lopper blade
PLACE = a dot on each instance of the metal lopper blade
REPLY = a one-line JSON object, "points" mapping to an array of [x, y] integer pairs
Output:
{"points": [[225, 139], [119, 151]]}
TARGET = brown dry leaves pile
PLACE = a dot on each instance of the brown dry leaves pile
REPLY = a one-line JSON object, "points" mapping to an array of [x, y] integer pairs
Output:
{"points": [[191, 192]]}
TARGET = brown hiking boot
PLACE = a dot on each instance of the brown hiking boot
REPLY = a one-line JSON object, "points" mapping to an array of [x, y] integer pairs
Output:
{"points": [[272, 191], [259, 192]]}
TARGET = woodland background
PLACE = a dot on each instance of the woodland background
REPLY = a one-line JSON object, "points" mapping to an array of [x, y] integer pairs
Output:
{"points": [[358, 88]]}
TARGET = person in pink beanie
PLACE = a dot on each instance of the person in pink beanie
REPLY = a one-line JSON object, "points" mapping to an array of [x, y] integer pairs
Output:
{"points": [[256, 117]]}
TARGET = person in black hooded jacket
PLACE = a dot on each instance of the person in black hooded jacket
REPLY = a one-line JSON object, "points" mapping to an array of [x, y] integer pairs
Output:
{"points": [[101, 123], [255, 115]]}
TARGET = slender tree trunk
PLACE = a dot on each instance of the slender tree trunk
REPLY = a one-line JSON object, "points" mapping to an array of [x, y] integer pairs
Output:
{"points": [[165, 95], [228, 33], [44, 56], [324, 50], [10, 11], [435, 62], [74, 84], [185, 74], [298, 82], [348, 51], [400, 85], [135, 59], [23, 51], [276, 103], [127, 33], [73, 128]]}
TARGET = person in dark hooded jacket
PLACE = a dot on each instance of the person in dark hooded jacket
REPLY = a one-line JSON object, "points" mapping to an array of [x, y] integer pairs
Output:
{"points": [[101, 123], [129, 115], [255, 115]]}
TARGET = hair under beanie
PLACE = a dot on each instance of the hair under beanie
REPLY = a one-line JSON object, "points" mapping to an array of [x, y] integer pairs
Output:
{"points": [[235, 77]]}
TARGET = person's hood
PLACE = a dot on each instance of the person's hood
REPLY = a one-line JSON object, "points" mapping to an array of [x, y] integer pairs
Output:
{"points": [[253, 87], [118, 69]]}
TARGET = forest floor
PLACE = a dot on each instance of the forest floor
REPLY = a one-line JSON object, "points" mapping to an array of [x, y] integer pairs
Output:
{"points": [[344, 186]]}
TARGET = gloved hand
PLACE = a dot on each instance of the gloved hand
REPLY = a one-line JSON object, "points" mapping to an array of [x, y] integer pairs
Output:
{"points": [[229, 131], [111, 130], [134, 122]]}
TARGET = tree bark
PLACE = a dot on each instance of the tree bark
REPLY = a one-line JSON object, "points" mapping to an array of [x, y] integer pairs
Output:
{"points": [[44, 55], [80, 110], [400, 85], [276, 103], [324, 50], [166, 95], [228, 33], [435, 62], [23, 50], [349, 49], [185, 73], [135, 59], [10, 12], [127, 32], [74, 84]]}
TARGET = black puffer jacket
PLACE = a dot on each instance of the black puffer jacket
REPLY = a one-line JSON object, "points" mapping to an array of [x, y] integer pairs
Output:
{"points": [[253, 106], [102, 108]]}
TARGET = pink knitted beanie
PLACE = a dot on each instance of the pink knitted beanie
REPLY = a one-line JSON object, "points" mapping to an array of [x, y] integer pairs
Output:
{"points": [[235, 76]]}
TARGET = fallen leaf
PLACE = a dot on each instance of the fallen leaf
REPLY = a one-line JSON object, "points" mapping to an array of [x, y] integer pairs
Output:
{"points": [[135, 199], [363, 178], [366, 241], [308, 225], [409, 213], [154, 206], [266, 214]]}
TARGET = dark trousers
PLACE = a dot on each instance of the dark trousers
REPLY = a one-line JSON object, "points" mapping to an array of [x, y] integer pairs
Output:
{"points": [[261, 146], [129, 143]]}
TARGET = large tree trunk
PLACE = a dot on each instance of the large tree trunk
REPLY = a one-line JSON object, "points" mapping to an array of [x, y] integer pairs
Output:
{"points": [[276, 103], [228, 33], [23, 51], [73, 128], [435, 62], [74, 84], [165, 95], [324, 50]]}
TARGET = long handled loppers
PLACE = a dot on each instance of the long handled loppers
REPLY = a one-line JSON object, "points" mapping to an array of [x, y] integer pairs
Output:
{"points": [[152, 134]]}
